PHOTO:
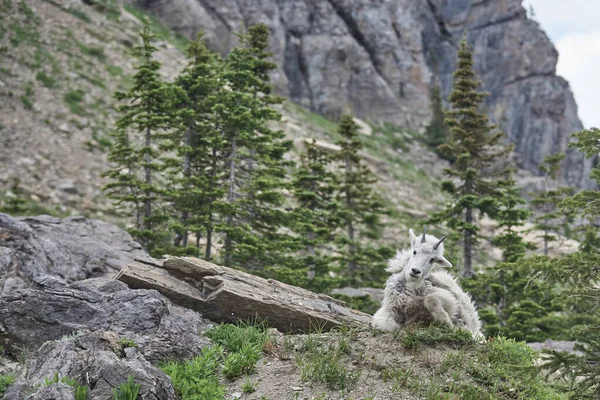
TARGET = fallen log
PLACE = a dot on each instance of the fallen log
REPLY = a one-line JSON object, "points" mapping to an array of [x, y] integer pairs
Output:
{"points": [[224, 294]]}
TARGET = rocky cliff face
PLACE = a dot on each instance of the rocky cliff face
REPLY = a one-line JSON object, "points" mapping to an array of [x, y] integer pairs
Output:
{"points": [[382, 58]]}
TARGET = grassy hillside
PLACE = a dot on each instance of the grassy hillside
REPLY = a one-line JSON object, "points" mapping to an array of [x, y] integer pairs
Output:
{"points": [[64, 61], [430, 363]]}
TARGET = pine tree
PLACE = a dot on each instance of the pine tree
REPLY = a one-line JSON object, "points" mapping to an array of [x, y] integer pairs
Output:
{"points": [[252, 212], [548, 217], [578, 273], [137, 136], [510, 213], [14, 204], [196, 142], [474, 146], [361, 208], [437, 132], [315, 219]]}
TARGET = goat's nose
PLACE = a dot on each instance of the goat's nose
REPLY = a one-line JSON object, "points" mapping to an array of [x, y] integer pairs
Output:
{"points": [[415, 271]]}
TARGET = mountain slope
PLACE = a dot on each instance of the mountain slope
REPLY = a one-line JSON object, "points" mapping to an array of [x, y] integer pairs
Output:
{"points": [[63, 61], [382, 58]]}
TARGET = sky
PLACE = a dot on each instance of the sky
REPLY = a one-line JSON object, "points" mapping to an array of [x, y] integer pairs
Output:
{"points": [[573, 27]]}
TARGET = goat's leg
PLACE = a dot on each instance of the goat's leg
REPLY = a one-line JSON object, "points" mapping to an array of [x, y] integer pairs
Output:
{"points": [[384, 320], [435, 305]]}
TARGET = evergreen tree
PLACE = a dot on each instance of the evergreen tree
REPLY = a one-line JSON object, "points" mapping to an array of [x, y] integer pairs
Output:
{"points": [[580, 271], [315, 219], [196, 143], [361, 208], [251, 212], [474, 147], [437, 132], [510, 213], [15, 203], [137, 134], [549, 218]]}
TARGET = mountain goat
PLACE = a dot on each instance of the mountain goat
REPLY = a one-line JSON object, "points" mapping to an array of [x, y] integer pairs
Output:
{"points": [[416, 294]]}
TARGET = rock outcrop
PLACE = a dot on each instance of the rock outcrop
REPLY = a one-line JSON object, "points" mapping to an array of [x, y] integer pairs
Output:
{"points": [[73, 248], [54, 309], [56, 391], [96, 359], [382, 58], [224, 294]]}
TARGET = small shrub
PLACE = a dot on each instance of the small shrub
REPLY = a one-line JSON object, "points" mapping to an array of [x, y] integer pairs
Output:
{"points": [[415, 337], [242, 361], [234, 337], [127, 391], [124, 343], [46, 79], [114, 70], [79, 14], [26, 98], [320, 362], [81, 391], [401, 377], [73, 98], [72, 336], [5, 381], [97, 52], [197, 378], [248, 386]]}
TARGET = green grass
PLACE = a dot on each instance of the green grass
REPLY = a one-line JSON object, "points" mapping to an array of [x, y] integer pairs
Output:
{"points": [[329, 127], [501, 369], [92, 80], [5, 381], [198, 378], [244, 344], [248, 386], [158, 29], [324, 361], [235, 351], [127, 391], [79, 14], [234, 337], [416, 337], [114, 70], [401, 378], [73, 99], [46, 79], [92, 51], [19, 205], [27, 97], [81, 391], [124, 343]]}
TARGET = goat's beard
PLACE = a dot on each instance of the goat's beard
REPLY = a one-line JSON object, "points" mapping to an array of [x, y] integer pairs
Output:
{"points": [[415, 282]]}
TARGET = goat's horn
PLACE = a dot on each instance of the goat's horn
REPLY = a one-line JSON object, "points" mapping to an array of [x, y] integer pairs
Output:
{"points": [[435, 246], [424, 230]]}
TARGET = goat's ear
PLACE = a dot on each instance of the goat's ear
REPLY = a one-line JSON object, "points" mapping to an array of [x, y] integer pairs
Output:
{"points": [[413, 238], [443, 262]]}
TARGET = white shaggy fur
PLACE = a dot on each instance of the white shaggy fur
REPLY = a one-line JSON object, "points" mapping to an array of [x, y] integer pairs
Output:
{"points": [[416, 294]]}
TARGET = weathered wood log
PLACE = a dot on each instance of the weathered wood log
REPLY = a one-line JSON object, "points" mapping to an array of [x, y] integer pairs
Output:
{"points": [[224, 294]]}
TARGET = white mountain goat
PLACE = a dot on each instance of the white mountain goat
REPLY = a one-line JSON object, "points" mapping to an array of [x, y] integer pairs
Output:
{"points": [[416, 294]]}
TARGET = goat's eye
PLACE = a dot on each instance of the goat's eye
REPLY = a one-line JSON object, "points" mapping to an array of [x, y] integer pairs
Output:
{"points": [[415, 252], [432, 260]]}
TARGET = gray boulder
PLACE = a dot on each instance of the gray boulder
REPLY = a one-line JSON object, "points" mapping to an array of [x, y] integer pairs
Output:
{"points": [[54, 308], [95, 360], [56, 391], [73, 248]]}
